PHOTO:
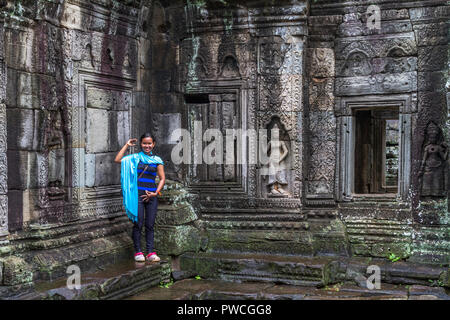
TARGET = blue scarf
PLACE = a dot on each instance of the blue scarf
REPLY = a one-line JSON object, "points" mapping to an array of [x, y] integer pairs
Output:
{"points": [[128, 180]]}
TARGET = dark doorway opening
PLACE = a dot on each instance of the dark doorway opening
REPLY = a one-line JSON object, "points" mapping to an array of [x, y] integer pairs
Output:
{"points": [[377, 141]]}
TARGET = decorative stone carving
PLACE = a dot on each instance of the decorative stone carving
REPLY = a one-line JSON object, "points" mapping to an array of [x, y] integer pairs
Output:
{"points": [[321, 63], [433, 171], [276, 174], [230, 68], [321, 94], [3, 142], [357, 64], [377, 84], [277, 169], [351, 26], [3, 215]]}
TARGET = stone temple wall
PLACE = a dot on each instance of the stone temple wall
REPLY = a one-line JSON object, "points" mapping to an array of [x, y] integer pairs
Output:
{"points": [[80, 77], [404, 63], [71, 97], [307, 67]]}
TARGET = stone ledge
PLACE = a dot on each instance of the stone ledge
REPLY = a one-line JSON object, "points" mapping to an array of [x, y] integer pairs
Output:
{"points": [[116, 282], [308, 271], [191, 289]]}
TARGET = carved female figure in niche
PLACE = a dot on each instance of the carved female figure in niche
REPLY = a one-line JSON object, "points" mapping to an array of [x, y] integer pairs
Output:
{"points": [[277, 176], [433, 168]]}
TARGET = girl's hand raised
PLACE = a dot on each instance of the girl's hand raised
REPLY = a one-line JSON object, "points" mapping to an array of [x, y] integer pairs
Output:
{"points": [[131, 142]]}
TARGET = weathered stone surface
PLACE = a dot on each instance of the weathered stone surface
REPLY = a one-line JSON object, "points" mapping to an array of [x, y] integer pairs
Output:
{"points": [[429, 13], [16, 271], [377, 84], [115, 282], [107, 172], [164, 125], [432, 58], [264, 268], [347, 68], [90, 167], [175, 215], [431, 81], [97, 129], [175, 240], [402, 45], [427, 293], [209, 289], [432, 104], [108, 99], [432, 34], [4, 214], [18, 169], [25, 134]]}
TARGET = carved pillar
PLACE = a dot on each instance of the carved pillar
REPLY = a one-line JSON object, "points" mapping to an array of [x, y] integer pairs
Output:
{"points": [[280, 78], [3, 147], [431, 31], [322, 125], [320, 159]]}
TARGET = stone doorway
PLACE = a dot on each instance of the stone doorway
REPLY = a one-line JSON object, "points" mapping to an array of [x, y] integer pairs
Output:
{"points": [[376, 150], [374, 147]]}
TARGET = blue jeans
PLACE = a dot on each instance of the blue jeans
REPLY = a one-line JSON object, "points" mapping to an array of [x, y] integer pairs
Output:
{"points": [[146, 210]]}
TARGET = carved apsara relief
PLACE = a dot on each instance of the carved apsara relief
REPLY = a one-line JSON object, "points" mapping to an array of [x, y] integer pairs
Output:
{"points": [[434, 166], [277, 170]]}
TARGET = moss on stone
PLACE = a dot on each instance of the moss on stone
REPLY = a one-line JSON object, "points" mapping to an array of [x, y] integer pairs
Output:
{"points": [[16, 271]]}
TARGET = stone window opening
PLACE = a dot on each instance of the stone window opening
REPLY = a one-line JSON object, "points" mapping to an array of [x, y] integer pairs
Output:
{"points": [[376, 151]]}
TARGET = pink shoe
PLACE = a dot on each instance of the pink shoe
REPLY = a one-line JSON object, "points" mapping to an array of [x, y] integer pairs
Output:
{"points": [[139, 257], [152, 257]]}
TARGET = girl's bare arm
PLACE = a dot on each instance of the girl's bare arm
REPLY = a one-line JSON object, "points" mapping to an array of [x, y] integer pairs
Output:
{"points": [[162, 178], [119, 156]]}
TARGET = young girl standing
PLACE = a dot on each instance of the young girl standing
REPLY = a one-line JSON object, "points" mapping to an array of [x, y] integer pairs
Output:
{"points": [[137, 176]]}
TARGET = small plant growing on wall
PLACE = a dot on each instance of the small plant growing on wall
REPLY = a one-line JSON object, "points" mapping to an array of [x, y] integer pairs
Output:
{"points": [[393, 257]]}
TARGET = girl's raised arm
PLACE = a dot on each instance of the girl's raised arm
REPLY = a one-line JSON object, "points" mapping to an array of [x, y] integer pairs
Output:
{"points": [[119, 156]]}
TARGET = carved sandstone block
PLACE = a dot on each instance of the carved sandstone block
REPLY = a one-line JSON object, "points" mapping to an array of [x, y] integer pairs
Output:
{"points": [[321, 62], [433, 103], [431, 81], [431, 34], [429, 13], [360, 65], [377, 84], [432, 58], [321, 94], [404, 44]]}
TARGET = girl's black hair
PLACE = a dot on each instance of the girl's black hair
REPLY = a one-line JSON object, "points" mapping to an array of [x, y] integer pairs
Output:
{"points": [[147, 135]]}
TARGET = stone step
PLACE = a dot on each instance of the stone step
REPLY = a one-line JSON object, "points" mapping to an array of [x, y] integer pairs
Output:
{"points": [[117, 281], [254, 267], [192, 289], [309, 271]]}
